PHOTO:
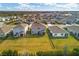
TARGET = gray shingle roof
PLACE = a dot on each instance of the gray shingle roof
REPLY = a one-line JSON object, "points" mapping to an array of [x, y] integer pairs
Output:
{"points": [[37, 26], [5, 28], [73, 28], [56, 29], [20, 26]]}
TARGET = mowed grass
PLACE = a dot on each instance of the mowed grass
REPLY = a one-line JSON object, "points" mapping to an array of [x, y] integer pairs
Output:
{"points": [[69, 43], [27, 44], [33, 44]]}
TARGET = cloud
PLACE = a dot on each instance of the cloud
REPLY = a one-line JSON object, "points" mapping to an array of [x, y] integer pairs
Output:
{"points": [[64, 6], [41, 7], [23, 7], [50, 6]]}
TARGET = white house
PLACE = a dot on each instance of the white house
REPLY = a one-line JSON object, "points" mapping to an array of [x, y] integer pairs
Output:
{"points": [[20, 30], [37, 28], [57, 32]]}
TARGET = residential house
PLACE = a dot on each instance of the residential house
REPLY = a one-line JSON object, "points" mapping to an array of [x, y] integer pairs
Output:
{"points": [[5, 19], [69, 20], [57, 32], [37, 28], [77, 20], [74, 30], [1, 24], [20, 30], [5, 30]]}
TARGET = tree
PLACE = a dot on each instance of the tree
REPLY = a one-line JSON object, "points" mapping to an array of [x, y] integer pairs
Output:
{"points": [[9, 53]]}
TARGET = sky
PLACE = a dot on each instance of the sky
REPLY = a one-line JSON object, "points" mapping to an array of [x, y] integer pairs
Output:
{"points": [[39, 7]]}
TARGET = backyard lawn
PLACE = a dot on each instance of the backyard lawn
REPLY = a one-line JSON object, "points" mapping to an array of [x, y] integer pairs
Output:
{"points": [[34, 44], [69, 42], [24, 44]]}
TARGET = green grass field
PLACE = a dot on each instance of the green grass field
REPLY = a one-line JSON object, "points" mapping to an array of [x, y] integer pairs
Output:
{"points": [[69, 42], [30, 44], [34, 44]]}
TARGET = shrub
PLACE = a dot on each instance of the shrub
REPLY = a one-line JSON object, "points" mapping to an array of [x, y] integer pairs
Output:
{"points": [[9, 53], [75, 52], [50, 53]]}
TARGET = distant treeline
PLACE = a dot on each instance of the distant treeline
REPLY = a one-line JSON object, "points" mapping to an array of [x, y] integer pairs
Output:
{"points": [[3, 13]]}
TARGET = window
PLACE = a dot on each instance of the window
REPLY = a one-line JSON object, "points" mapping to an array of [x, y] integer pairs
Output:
{"points": [[16, 34], [55, 34], [78, 34], [61, 34], [75, 33]]}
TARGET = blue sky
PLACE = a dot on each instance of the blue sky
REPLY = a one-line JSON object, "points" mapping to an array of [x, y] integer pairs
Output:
{"points": [[39, 7]]}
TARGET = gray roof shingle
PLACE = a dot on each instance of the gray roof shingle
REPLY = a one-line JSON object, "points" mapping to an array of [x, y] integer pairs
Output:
{"points": [[56, 29], [73, 28]]}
